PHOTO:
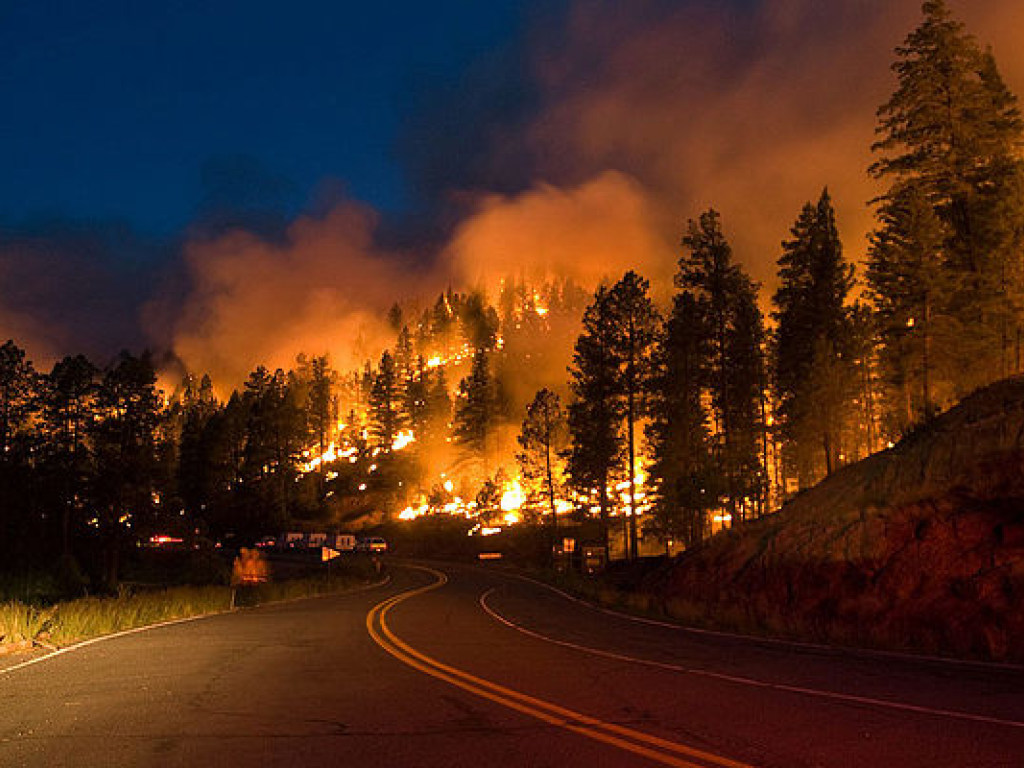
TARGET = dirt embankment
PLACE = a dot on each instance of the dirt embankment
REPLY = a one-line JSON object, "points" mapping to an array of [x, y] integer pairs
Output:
{"points": [[919, 547]]}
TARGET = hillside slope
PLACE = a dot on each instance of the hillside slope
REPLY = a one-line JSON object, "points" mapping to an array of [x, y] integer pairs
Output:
{"points": [[919, 547]]}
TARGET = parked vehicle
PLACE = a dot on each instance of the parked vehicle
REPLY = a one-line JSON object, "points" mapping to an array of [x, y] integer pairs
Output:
{"points": [[371, 544]]}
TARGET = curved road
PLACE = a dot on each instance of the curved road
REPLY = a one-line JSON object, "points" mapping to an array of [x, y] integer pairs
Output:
{"points": [[461, 666]]}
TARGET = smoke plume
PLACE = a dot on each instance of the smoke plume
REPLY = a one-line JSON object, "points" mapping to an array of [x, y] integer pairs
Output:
{"points": [[326, 289]]}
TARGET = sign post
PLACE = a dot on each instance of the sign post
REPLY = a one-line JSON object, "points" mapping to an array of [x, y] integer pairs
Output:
{"points": [[326, 555]]}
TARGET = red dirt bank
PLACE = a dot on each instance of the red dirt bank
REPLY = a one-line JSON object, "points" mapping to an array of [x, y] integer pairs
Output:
{"points": [[919, 547]]}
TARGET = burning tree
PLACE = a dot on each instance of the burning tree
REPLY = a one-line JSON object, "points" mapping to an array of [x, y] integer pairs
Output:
{"points": [[543, 437]]}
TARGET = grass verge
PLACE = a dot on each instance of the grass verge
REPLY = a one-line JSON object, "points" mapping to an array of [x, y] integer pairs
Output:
{"points": [[72, 621]]}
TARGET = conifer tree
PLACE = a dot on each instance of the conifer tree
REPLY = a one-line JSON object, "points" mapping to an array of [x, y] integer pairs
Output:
{"points": [[69, 407], [743, 403], [633, 323], [417, 398], [811, 339], [18, 385], [439, 407], [542, 438], [124, 441], [19, 396], [952, 129], [683, 485], [735, 334], [387, 415], [475, 412], [595, 414], [908, 285]]}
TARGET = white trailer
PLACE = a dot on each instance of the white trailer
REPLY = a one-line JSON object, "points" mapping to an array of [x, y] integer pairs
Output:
{"points": [[343, 542]]}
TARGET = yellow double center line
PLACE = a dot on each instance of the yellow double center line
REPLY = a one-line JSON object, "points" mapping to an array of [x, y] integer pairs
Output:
{"points": [[660, 750]]}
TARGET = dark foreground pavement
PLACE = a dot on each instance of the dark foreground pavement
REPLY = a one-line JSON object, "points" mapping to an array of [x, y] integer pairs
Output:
{"points": [[447, 682]]}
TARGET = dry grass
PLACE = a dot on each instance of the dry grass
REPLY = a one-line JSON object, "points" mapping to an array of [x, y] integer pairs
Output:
{"points": [[76, 620]]}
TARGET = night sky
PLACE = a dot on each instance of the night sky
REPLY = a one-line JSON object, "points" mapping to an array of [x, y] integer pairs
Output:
{"points": [[146, 112], [161, 164]]}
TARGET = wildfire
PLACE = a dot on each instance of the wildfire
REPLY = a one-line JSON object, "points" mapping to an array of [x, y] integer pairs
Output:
{"points": [[402, 440], [512, 498], [412, 512], [329, 456]]}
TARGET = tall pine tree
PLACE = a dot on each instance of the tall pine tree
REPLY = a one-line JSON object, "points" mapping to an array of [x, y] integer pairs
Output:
{"points": [[683, 484], [952, 129], [595, 413], [811, 342], [735, 335]]}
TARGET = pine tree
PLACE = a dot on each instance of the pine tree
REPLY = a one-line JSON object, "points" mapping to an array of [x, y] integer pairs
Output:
{"points": [[542, 438], [683, 487], [387, 415], [475, 412], [69, 407], [595, 414], [633, 322], [19, 395], [864, 358], [736, 366], [405, 357], [743, 404], [124, 440], [908, 284], [197, 462], [275, 432], [811, 340], [479, 322], [952, 129], [417, 398], [438, 410], [18, 390]]}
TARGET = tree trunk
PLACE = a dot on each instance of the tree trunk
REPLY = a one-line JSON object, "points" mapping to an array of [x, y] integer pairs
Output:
{"points": [[551, 492], [634, 549]]}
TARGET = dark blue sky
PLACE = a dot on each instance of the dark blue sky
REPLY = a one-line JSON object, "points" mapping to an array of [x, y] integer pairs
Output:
{"points": [[146, 112]]}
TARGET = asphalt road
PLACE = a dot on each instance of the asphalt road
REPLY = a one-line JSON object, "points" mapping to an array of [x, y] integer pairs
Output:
{"points": [[456, 666]]}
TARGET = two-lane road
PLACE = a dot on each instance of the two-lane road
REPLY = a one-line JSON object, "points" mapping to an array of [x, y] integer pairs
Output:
{"points": [[458, 666]]}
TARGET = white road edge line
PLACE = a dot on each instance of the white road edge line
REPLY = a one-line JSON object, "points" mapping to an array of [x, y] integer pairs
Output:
{"points": [[169, 623], [849, 650], [746, 680]]}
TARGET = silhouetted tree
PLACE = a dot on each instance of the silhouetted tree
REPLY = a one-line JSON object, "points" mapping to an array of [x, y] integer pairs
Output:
{"points": [[387, 415], [124, 442], [811, 339], [953, 131], [543, 437], [595, 414], [475, 409], [736, 365], [633, 322], [909, 285], [683, 485], [69, 407]]}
